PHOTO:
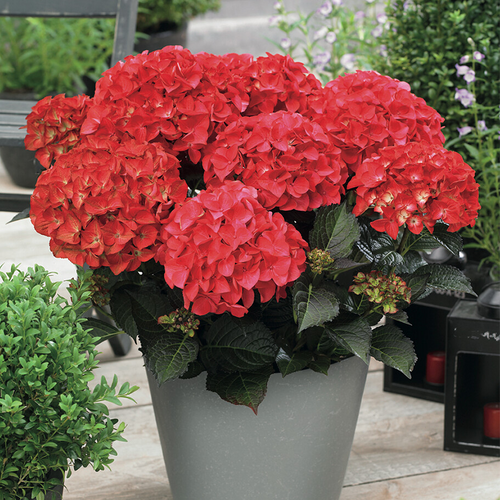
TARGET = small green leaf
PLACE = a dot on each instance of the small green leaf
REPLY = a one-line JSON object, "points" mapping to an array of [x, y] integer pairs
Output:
{"points": [[355, 337], [168, 355], [390, 346], [248, 389], [238, 344], [335, 230], [313, 306], [400, 316], [294, 363]]}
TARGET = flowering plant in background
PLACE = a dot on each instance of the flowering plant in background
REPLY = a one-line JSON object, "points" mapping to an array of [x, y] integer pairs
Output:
{"points": [[482, 143], [225, 204], [332, 39]]}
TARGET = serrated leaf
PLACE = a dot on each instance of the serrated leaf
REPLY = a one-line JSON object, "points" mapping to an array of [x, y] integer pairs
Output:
{"points": [[451, 241], [168, 355], [422, 242], [400, 316], [355, 337], [294, 363], [238, 344], [102, 330], [321, 365], [394, 349], [335, 230], [417, 284], [121, 308], [313, 306], [24, 214], [442, 277], [411, 262], [247, 389], [276, 315], [148, 304]]}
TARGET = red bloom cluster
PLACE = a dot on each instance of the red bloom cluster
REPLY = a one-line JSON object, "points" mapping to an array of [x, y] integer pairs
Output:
{"points": [[222, 245], [417, 184], [100, 203], [286, 157], [259, 134], [365, 111], [54, 126]]}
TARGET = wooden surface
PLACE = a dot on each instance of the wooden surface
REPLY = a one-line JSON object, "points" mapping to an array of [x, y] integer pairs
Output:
{"points": [[397, 451]]}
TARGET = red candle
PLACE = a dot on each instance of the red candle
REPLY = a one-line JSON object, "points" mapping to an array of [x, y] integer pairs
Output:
{"points": [[491, 420], [434, 371]]}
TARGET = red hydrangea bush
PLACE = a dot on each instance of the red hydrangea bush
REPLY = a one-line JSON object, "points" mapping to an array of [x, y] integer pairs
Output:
{"points": [[226, 202]]}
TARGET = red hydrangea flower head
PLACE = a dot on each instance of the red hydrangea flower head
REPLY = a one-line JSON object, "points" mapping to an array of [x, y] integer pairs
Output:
{"points": [[99, 202], [286, 157], [366, 111], [222, 245], [416, 184], [54, 126]]}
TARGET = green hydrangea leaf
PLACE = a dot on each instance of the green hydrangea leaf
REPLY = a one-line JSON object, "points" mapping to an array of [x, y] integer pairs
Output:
{"points": [[247, 389], [121, 308], [335, 230], [442, 277], [355, 337], [313, 305], [102, 330], [238, 345], [168, 355], [294, 363], [393, 348], [451, 241]]}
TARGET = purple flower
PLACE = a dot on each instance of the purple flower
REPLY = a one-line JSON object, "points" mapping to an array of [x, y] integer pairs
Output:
{"points": [[464, 130], [470, 76], [274, 20], [478, 56], [464, 59], [461, 70], [337, 3], [377, 31], [321, 33], [348, 61], [370, 1], [321, 60], [285, 43], [481, 125], [359, 15], [382, 50], [465, 97], [382, 18], [325, 9], [331, 37], [277, 5]]}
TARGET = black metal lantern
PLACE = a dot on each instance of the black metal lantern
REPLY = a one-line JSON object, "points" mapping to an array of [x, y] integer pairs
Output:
{"points": [[472, 386]]}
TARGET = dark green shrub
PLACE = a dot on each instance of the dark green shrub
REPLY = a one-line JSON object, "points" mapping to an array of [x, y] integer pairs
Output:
{"points": [[49, 418]]}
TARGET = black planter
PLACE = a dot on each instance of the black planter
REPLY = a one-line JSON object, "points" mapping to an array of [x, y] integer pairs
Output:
{"points": [[21, 165], [168, 34]]}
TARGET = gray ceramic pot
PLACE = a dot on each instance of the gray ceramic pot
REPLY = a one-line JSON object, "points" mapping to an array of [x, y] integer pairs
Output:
{"points": [[297, 448]]}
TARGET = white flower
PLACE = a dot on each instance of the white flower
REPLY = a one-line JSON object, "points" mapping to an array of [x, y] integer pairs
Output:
{"points": [[348, 61], [321, 60], [321, 33], [331, 37], [382, 18], [325, 9], [478, 56], [470, 76], [464, 131], [285, 43], [464, 59], [274, 20], [377, 31], [481, 125], [337, 3]]}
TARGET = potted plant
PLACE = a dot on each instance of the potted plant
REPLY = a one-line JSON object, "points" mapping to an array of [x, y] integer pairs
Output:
{"points": [[165, 21], [50, 420], [28, 69], [251, 227]]}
